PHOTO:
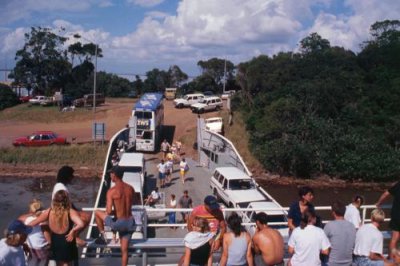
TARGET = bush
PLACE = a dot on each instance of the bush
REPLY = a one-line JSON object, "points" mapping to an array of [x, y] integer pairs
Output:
{"points": [[8, 98]]}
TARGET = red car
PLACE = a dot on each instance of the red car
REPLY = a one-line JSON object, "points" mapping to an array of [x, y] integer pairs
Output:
{"points": [[40, 138], [25, 99]]}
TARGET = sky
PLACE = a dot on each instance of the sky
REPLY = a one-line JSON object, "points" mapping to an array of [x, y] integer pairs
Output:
{"points": [[137, 36]]}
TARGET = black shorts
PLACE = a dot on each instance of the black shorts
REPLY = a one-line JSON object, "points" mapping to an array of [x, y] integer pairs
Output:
{"points": [[394, 225]]}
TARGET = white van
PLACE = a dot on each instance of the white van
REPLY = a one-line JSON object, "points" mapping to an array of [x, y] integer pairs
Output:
{"points": [[188, 100], [234, 187]]}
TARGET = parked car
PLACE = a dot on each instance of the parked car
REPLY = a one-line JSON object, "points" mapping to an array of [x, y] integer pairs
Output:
{"points": [[215, 124], [188, 100], [37, 99], [87, 100], [234, 187], [207, 104], [40, 138], [25, 99], [227, 94], [48, 101], [209, 93]]}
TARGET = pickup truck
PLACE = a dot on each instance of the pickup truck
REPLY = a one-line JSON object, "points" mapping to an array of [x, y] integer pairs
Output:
{"points": [[37, 99], [215, 124], [234, 187]]}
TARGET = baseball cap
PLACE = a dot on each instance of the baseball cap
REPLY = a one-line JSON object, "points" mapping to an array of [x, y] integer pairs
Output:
{"points": [[211, 202], [118, 171], [18, 227]]}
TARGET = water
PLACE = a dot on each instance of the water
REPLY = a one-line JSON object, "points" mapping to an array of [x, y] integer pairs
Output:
{"points": [[16, 194]]}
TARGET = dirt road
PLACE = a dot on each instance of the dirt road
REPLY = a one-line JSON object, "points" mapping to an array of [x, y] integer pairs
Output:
{"points": [[115, 115]]}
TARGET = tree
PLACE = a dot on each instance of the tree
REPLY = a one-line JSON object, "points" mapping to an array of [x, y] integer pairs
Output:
{"points": [[113, 86], [215, 68], [176, 76], [156, 80], [41, 62], [314, 43], [8, 98], [138, 85]]}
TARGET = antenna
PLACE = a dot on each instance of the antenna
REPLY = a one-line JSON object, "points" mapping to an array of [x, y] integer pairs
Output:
{"points": [[223, 88]]}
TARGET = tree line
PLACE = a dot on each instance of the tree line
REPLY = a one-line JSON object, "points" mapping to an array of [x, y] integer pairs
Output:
{"points": [[322, 110]]}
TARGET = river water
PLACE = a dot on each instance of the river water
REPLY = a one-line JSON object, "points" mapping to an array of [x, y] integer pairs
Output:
{"points": [[16, 193]]}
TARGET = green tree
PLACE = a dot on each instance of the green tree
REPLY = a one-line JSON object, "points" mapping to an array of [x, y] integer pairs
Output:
{"points": [[215, 69], [156, 80], [42, 62], [314, 43], [113, 86], [176, 76], [8, 98], [138, 85]]}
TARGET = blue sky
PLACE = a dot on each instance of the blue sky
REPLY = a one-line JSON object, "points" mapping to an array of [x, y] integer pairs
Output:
{"points": [[139, 35]]}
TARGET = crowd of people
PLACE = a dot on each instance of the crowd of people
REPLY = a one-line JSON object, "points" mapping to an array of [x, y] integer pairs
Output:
{"points": [[44, 234]]}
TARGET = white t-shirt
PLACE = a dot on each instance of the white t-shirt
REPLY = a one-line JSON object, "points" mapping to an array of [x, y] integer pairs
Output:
{"points": [[161, 167], [169, 165], [368, 239], [11, 255], [307, 244], [58, 187], [182, 165], [172, 203], [352, 215], [155, 195], [36, 239]]}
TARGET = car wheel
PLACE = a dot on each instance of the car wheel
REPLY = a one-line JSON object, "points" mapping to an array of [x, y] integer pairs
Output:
{"points": [[201, 111], [180, 106]]}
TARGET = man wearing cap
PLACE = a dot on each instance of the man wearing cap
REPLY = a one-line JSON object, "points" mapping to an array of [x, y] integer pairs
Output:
{"points": [[120, 219], [12, 247], [211, 211]]}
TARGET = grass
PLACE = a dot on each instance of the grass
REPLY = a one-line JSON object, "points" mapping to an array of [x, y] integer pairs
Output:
{"points": [[55, 155], [51, 114], [238, 135]]}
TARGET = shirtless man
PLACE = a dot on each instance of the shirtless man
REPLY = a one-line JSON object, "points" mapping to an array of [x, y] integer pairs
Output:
{"points": [[267, 242], [120, 219]]}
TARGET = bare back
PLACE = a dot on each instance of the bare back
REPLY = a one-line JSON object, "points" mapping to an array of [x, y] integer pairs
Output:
{"points": [[269, 243], [121, 198]]}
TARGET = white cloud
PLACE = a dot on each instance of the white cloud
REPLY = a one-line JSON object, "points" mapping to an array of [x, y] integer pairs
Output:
{"points": [[234, 29], [13, 41], [146, 3]]}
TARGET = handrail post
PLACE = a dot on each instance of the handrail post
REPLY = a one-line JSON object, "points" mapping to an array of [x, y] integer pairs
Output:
{"points": [[364, 214], [144, 258]]}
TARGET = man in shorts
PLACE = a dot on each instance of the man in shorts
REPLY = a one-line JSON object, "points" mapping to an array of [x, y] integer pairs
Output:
{"points": [[394, 191], [120, 219], [185, 202]]}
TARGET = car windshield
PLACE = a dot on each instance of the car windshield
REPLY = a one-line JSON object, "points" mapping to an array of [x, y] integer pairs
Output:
{"points": [[240, 184], [185, 97]]}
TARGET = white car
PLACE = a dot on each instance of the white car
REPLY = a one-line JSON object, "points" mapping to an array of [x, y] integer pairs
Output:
{"points": [[37, 99], [234, 187], [215, 124], [207, 104], [188, 100], [227, 94]]}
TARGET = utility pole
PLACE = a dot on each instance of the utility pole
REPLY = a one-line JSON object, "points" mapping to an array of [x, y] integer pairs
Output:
{"points": [[223, 89]]}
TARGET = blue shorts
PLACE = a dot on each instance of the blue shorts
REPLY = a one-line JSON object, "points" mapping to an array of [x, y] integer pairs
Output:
{"points": [[161, 175], [365, 261], [125, 227]]}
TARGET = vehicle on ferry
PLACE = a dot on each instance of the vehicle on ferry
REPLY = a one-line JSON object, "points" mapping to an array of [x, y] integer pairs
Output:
{"points": [[147, 122]]}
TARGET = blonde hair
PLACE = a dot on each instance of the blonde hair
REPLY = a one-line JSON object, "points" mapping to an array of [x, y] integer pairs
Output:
{"points": [[377, 215], [35, 206], [202, 224], [61, 207]]}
